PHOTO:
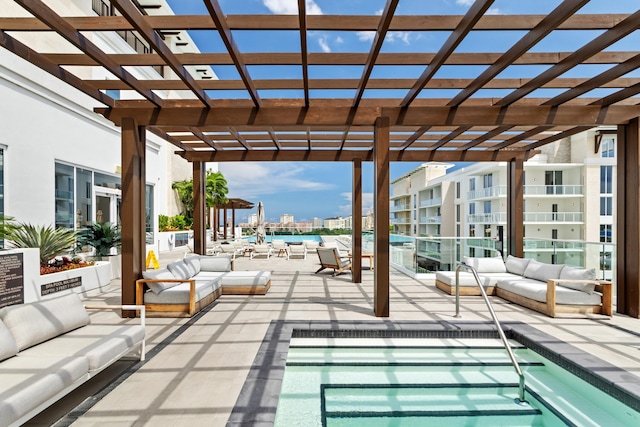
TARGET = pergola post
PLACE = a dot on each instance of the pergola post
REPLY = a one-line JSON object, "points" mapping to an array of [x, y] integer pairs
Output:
{"points": [[356, 226], [133, 150], [381, 217], [199, 208], [224, 224], [515, 207], [233, 222], [628, 220]]}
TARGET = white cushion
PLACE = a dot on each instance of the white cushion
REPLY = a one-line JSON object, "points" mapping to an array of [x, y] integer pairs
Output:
{"points": [[537, 291], [215, 263], [180, 294], [466, 279], [542, 271], [193, 264], [245, 278], [179, 270], [35, 322], [486, 265], [8, 346], [516, 265], [572, 273], [161, 274]]}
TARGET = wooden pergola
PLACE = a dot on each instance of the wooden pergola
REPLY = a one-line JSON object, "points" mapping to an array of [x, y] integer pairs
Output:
{"points": [[429, 116], [233, 204]]}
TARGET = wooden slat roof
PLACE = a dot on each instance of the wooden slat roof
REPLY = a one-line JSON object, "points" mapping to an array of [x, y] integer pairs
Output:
{"points": [[445, 101]]}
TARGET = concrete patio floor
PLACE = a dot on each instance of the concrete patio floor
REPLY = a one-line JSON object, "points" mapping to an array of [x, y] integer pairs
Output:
{"points": [[197, 367]]}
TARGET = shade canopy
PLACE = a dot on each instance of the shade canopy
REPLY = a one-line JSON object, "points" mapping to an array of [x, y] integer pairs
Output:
{"points": [[476, 86]]}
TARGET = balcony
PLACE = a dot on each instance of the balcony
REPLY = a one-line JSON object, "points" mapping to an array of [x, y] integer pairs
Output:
{"points": [[431, 202], [487, 218], [489, 192], [400, 221], [553, 190], [400, 208], [431, 220], [553, 217]]}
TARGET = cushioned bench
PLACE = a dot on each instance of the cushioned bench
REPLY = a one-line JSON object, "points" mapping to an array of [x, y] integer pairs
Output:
{"points": [[48, 348], [186, 286], [547, 288]]}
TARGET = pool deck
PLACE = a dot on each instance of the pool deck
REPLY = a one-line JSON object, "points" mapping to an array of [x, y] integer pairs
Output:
{"points": [[196, 367]]}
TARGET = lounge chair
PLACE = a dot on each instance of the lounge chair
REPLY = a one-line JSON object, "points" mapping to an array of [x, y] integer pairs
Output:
{"points": [[280, 247], [232, 249], [330, 258], [261, 250], [311, 244], [297, 250]]}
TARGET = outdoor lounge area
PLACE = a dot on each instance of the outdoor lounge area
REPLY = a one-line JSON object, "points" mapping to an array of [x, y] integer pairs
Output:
{"points": [[215, 349]]}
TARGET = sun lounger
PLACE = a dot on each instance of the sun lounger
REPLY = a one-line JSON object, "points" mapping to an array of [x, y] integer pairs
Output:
{"points": [[330, 258]]}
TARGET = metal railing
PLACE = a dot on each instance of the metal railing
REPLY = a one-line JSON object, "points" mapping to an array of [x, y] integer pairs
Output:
{"points": [[507, 347]]}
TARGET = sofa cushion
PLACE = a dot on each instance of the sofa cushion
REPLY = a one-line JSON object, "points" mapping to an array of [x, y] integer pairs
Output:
{"points": [[160, 274], [573, 273], [542, 271], [179, 270], [466, 279], [537, 291], [486, 265], [30, 381], [8, 346], [193, 264], [180, 294], [100, 344], [35, 322], [245, 278], [516, 265], [215, 263]]}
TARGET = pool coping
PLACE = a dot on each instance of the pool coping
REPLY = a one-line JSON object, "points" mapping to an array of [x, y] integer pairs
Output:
{"points": [[256, 405]]}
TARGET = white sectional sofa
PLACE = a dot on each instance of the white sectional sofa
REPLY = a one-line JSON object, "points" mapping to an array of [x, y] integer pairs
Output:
{"points": [[50, 347], [186, 286], [547, 288]]}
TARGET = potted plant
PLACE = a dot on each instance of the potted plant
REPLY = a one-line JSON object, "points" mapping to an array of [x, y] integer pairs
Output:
{"points": [[52, 242], [102, 237]]}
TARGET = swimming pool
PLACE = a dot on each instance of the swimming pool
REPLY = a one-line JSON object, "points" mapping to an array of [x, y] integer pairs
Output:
{"points": [[289, 238], [416, 382], [264, 387]]}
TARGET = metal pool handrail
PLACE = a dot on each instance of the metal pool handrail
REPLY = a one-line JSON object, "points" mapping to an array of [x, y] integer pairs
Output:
{"points": [[507, 347]]}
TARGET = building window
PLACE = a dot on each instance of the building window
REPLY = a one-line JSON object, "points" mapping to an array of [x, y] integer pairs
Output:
{"points": [[606, 233], [487, 180], [607, 147], [487, 231], [472, 208], [472, 230], [415, 201], [64, 188], [472, 252], [149, 215], [554, 234], [457, 190], [472, 184], [606, 179], [1, 188], [554, 212], [553, 181], [606, 206], [458, 213], [487, 207]]}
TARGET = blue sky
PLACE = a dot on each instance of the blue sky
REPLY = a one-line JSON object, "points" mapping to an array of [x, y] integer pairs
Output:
{"points": [[323, 190]]}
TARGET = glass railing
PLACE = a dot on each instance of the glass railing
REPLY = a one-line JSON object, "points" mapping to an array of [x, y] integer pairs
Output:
{"points": [[553, 217], [416, 255], [430, 220], [487, 218], [495, 191], [430, 202], [403, 207], [551, 190]]}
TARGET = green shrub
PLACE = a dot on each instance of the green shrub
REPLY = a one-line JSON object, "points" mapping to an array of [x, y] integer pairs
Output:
{"points": [[178, 222], [163, 222], [51, 241]]}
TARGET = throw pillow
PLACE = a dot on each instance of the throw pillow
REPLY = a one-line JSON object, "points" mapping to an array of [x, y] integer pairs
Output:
{"points": [[179, 270], [542, 271], [161, 274], [8, 346], [193, 264], [572, 273], [516, 265], [215, 263], [486, 265]]}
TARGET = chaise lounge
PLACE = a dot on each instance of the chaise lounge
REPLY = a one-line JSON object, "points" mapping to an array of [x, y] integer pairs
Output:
{"points": [[330, 258]]}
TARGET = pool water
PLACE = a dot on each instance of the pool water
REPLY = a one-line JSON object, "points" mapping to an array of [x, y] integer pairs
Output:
{"points": [[435, 382], [289, 238]]}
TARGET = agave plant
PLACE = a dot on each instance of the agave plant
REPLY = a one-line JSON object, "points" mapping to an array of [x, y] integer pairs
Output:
{"points": [[7, 226], [101, 237], [51, 241]]}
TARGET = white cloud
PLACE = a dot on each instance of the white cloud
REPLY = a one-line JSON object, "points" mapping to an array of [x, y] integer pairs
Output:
{"points": [[339, 40], [403, 36], [249, 180], [494, 11], [290, 7], [346, 210], [465, 2], [366, 36], [324, 45]]}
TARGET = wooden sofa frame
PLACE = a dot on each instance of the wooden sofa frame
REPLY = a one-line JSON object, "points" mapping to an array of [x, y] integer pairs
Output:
{"points": [[549, 307]]}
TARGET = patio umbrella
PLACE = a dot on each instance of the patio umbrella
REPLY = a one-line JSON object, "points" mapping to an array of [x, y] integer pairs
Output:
{"points": [[260, 232]]}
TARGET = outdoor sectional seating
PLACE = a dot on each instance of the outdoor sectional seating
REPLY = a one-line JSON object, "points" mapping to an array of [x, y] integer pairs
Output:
{"points": [[546, 288], [188, 285], [48, 348]]}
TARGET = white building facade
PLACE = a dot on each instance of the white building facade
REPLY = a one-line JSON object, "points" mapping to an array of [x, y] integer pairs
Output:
{"points": [[568, 198]]}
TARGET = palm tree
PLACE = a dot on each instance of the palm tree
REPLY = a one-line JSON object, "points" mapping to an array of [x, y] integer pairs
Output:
{"points": [[100, 236], [216, 191], [51, 241], [185, 195]]}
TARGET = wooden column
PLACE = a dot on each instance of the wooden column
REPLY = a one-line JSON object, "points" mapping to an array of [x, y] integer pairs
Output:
{"points": [[628, 220], [199, 208], [233, 222], [224, 224], [134, 250], [214, 224], [515, 208], [381, 217], [356, 214]]}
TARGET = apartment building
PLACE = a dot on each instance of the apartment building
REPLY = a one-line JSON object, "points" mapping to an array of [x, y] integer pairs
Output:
{"points": [[568, 199]]}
